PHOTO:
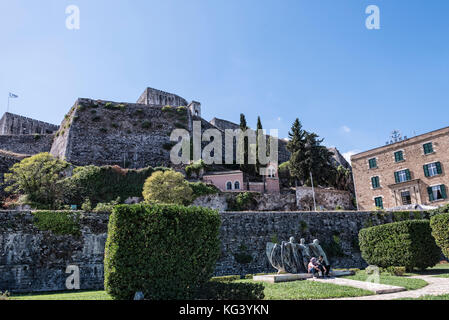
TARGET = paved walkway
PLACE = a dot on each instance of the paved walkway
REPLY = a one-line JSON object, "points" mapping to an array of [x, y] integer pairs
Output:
{"points": [[377, 288], [436, 286]]}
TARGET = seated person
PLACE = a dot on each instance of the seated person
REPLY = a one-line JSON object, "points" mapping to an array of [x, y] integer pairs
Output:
{"points": [[313, 267], [325, 268]]}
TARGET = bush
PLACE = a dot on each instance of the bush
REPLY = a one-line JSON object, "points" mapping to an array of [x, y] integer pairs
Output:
{"points": [[215, 290], [37, 177], [406, 244], [58, 222], [201, 189], [168, 187], [395, 271], [104, 184], [243, 202], [106, 207], [440, 231], [165, 251]]}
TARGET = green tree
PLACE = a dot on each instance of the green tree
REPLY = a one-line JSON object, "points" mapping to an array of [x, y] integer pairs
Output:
{"points": [[38, 178], [167, 187], [245, 167], [309, 156], [259, 127]]}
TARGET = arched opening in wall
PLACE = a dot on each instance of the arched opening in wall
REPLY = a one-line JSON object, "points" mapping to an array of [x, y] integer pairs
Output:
{"points": [[237, 185], [229, 185]]}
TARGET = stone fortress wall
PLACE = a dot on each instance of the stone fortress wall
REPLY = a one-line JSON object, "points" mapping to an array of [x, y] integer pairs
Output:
{"points": [[35, 260], [14, 124]]}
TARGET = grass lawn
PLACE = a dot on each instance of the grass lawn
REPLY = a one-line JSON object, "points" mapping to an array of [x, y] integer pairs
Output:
{"points": [[441, 269], [407, 283], [73, 295], [308, 290]]}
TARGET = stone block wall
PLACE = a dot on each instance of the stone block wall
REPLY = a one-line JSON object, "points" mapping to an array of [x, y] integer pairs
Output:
{"points": [[15, 124], [32, 260], [328, 199], [26, 144], [35, 260]]}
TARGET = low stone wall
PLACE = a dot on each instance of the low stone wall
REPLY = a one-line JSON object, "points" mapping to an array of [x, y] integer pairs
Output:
{"points": [[35, 260], [32, 260]]}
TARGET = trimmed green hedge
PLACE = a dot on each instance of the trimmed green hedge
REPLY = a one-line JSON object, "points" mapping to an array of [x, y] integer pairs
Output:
{"points": [[402, 244], [104, 184], [201, 189], [165, 251], [440, 231]]}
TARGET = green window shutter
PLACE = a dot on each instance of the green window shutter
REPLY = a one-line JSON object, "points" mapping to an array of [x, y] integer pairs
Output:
{"points": [[426, 170], [443, 191], [439, 170], [408, 175], [430, 192], [375, 182], [396, 177]]}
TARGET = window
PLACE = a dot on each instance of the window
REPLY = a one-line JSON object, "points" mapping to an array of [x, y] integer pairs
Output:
{"points": [[402, 176], [229, 185], [437, 192], [432, 169], [375, 182], [372, 163], [406, 198], [399, 156], [237, 185], [379, 202], [428, 148]]}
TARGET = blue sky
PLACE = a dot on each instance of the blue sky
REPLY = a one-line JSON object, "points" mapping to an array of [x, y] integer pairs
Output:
{"points": [[313, 59]]}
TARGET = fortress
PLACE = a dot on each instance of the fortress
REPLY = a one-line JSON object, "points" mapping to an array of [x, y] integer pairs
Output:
{"points": [[96, 132]]}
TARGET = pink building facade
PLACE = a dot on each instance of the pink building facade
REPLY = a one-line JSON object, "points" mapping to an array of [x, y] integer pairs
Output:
{"points": [[232, 181]]}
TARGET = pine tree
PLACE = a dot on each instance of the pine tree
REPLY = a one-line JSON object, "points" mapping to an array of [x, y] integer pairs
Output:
{"points": [[259, 128]]}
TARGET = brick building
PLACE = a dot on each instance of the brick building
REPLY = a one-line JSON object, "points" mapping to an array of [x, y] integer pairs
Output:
{"points": [[408, 172]]}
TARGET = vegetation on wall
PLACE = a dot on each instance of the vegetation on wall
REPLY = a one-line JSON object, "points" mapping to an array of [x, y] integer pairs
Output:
{"points": [[164, 251], [104, 184], [244, 201], [58, 222]]}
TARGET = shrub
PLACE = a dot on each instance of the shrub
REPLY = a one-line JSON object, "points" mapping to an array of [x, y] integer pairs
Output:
{"points": [[107, 207], [146, 125], [36, 177], [395, 271], [87, 205], [167, 109], [201, 189], [104, 184], [440, 231], [243, 202], [406, 244], [58, 222], [215, 290], [195, 167], [165, 251], [168, 187]]}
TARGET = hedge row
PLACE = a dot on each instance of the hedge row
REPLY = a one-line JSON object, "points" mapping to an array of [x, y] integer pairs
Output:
{"points": [[402, 244], [164, 251], [440, 231]]}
